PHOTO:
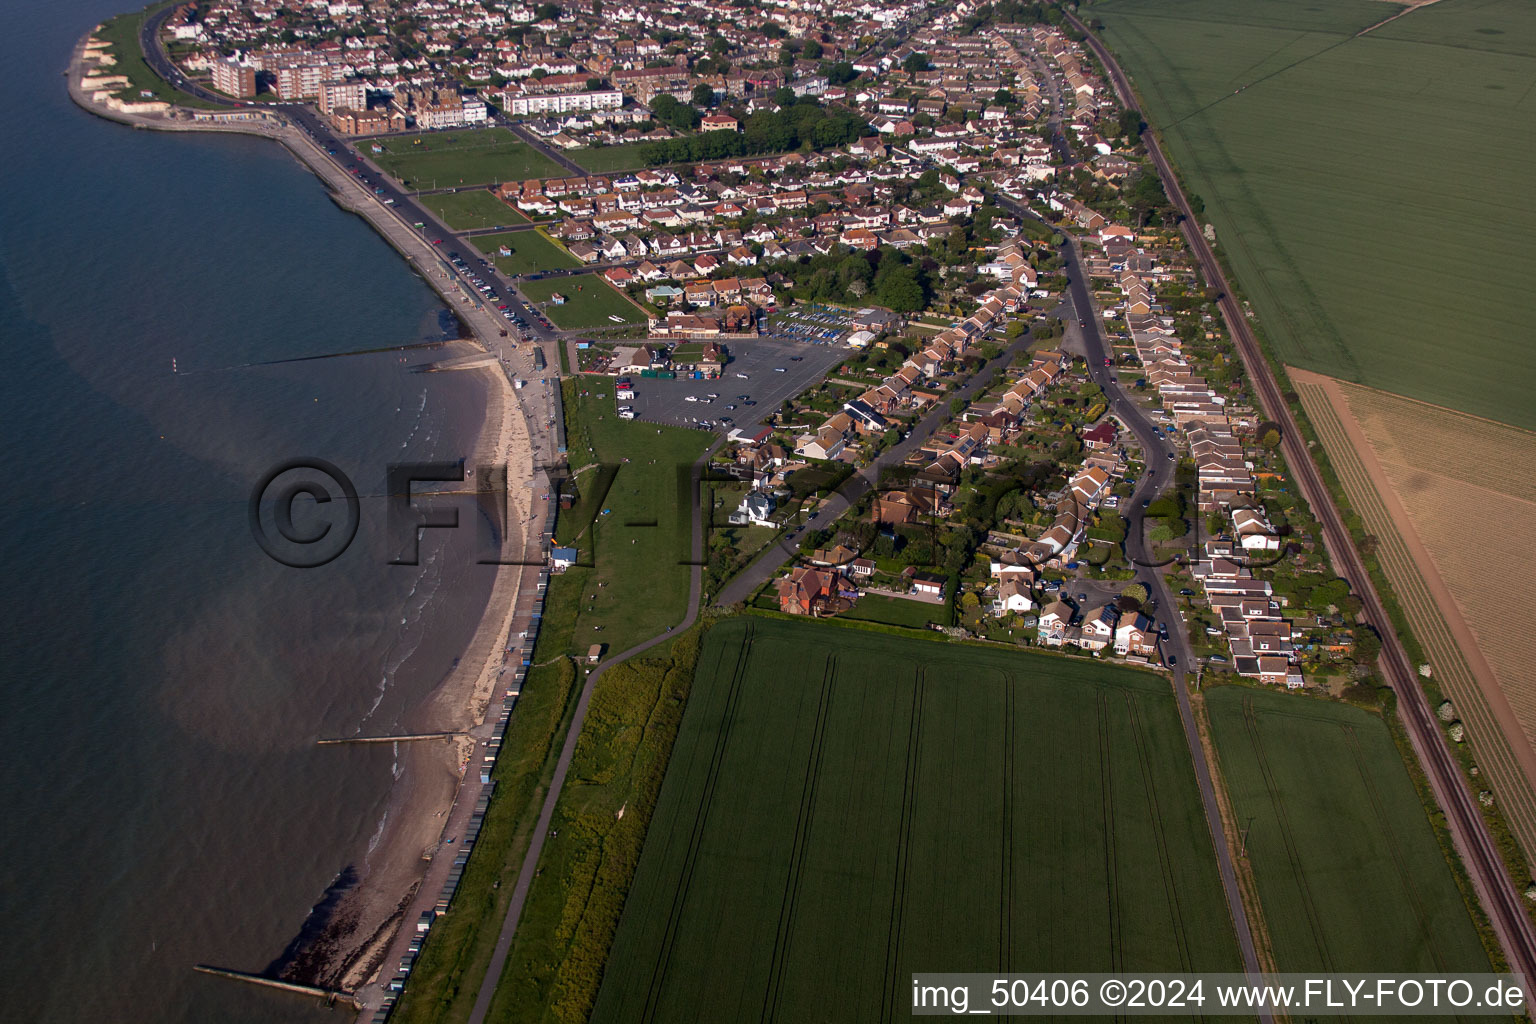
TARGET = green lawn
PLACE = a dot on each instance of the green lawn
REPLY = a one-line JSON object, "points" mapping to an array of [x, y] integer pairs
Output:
{"points": [[631, 522], [122, 34], [1349, 872], [531, 252], [476, 208], [606, 159], [589, 301], [1367, 191], [844, 808], [633, 591], [464, 156], [896, 611]]}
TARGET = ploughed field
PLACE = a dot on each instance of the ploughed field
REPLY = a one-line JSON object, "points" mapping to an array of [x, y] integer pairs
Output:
{"points": [[1349, 872], [844, 808], [1369, 191]]}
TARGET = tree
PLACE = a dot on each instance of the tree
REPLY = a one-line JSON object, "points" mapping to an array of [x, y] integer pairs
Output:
{"points": [[915, 63], [594, 84], [811, 50], [703, 95], [840, 73], [547, 12]]}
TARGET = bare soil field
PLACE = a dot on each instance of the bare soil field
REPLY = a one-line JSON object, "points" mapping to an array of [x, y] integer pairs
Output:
{"points": [[1451, 499]]}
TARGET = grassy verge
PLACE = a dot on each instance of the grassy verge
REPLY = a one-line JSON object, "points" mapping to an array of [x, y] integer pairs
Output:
{"points": [[122, 35], [447, 978], [607, 159], [596, 835], [472, 209], [589, 302], [465, 156], [530, 252], [631, 591]]}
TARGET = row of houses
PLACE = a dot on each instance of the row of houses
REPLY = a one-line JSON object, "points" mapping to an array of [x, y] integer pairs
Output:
{"points": [[1257, 634]]}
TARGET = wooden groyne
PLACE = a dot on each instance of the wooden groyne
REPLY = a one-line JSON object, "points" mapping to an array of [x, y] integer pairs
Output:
{"points": [[403, 738], [328, 996]]}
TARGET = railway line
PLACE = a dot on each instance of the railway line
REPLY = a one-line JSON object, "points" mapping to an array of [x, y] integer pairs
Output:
{"points": [[1498, 892]]}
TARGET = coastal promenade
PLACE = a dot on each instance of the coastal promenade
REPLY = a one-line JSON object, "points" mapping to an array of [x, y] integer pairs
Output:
{"points": [[520, 433]]}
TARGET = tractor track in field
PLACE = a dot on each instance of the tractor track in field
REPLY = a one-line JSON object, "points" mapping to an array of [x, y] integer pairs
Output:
{"points": [[889, 1002], [1164, 859], [799, 847], [696, 834], [1282, 820], [1352, 741]]}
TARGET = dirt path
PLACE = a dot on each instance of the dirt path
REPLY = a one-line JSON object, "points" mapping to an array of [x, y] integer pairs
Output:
{"points": [[1412, 5], [1423, 563]]}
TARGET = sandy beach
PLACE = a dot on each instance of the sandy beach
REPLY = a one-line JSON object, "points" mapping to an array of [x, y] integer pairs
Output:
{"points": [[435, 788], [354, 945]]}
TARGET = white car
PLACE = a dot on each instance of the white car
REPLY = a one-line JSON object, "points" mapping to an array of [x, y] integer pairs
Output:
{"points": [[778, 369], [743, 376], [690, 398]]}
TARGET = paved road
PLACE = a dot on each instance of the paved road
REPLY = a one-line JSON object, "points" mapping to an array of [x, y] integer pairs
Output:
{"points": [[1158, 477], [530, 864], [575, 169], [1501, 898], [773, 557]]}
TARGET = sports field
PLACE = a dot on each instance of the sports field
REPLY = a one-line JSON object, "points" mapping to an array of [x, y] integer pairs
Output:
{"points": [[1349, 872], [464, 156], [471, 209], [589, 302], [606, 159], [844, 808], [531, 252], [1368, 190]]}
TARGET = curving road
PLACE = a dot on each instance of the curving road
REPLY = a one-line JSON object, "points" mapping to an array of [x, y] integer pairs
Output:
{"points": [[530, 864], [1505, 906]]}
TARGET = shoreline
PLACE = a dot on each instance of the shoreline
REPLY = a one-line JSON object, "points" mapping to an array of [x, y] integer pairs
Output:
{"points": [[436, 787]]}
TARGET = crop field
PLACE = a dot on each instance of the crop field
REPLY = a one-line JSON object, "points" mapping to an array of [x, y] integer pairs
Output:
{"points": [[1485, 701], [1366, 189], [531, 252], [464, 156], [589, 302], [471, 209], [1348, 869], [844, 808]]}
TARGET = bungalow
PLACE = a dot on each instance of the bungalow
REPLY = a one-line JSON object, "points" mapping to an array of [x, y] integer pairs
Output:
{"points": [[1013, 595]]}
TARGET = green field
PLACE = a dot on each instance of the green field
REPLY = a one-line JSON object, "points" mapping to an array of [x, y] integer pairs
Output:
{"points": [[589, 300], [122, 35], [843, 809], [1370, 192], [1349, 872], [531, 252], [471, 209], [633, 591], [464, 156], [606, 159]]}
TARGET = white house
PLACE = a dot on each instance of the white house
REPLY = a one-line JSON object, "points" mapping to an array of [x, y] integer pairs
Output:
{"points": [[1013, 595], [755, 509]]}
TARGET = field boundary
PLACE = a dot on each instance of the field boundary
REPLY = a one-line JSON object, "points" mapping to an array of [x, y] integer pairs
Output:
{"points": [[1451, 650]]}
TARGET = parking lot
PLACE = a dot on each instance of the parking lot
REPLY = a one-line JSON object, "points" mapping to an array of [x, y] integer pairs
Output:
{"points": [[815, 323], [666, 401]]}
